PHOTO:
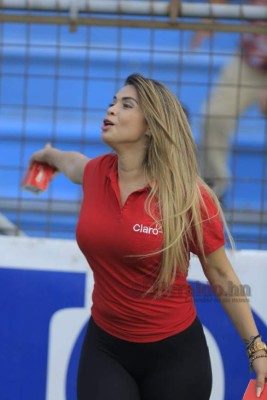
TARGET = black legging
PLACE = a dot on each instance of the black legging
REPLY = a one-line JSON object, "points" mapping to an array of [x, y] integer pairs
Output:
{"points": [[176, 368]]}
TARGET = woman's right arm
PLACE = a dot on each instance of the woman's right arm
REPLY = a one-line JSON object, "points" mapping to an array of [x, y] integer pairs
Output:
{"points": [[70, 163]]}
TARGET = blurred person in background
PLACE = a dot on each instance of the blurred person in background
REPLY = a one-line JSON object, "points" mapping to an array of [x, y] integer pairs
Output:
{"points": [[144, 210], [241, 83]]}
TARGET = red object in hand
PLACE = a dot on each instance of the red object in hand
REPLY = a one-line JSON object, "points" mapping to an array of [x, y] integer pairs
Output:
{"points": [[250, 393], [37, 177]]}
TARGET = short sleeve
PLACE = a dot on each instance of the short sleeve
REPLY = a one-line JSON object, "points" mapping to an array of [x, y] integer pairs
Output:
{"points": [[96, 169], [89, 170], [212, 227]]}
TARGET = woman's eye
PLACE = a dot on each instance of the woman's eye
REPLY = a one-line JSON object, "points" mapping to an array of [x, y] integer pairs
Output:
{"points": [[110, 105], [127, 105]]}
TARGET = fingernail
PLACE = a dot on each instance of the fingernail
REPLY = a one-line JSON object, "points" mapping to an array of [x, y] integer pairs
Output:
{"points": [[258, 391]]}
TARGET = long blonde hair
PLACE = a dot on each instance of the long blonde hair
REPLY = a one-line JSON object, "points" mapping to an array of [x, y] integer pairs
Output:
{"points": [[172, 171]]}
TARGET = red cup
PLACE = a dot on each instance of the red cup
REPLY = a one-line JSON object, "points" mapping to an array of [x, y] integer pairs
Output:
{"points": [[37, 177]]}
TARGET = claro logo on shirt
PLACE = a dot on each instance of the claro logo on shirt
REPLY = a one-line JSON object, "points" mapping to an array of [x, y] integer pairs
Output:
{"points": [[147, 229]]}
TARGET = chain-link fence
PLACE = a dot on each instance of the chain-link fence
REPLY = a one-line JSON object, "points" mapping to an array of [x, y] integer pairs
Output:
{"points": [[61, 67]]}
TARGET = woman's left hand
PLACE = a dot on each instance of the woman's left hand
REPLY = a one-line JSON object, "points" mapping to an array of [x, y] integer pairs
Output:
{"points": [[260, 367]]}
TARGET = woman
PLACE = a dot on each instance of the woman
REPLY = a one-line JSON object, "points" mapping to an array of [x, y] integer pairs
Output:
{"points": [[144, 210]]}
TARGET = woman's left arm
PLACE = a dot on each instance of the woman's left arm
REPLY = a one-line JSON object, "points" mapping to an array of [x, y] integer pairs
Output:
{"points": [[221, 276]]}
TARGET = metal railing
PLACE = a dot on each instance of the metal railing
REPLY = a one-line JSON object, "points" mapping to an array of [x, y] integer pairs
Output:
{"points": [[157, 14]]}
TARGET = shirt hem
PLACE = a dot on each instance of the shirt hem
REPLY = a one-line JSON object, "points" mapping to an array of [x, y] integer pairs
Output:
{"points": [[144, 338]]}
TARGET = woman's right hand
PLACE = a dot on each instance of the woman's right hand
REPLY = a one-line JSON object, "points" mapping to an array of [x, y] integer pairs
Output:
{"points": [[70, 163], [42, 155]]}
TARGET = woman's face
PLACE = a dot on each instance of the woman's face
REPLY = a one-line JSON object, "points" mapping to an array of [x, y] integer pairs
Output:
{"points": [[124, 123]]}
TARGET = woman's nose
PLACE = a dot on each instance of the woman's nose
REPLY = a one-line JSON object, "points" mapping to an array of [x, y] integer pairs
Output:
{"points": [[111, 109]]}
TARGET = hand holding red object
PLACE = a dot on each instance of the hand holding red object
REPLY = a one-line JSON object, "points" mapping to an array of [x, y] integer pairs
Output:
{"points": [[250, 393], [37, 177]]}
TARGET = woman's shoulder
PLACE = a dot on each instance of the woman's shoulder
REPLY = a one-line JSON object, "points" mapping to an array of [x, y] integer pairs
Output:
{"points": [[103, 162], [209, 202], [98, 168]]}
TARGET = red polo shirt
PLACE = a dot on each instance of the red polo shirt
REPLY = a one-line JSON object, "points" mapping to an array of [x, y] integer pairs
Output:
{"points": [[113, 240]]}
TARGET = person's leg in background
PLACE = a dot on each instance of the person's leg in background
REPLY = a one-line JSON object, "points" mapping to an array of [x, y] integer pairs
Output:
{"points": [[238, 88]]}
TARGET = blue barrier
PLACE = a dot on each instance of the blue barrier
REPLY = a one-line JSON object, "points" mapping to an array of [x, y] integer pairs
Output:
{"points": [[45, 300]]}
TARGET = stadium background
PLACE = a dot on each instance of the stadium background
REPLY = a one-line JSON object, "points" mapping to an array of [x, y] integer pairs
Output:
{"points": [[55, 85]]}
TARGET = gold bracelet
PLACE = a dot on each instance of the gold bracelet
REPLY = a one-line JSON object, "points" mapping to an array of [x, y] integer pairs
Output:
{"points": [[249, 342], [253, 358], [255, 347]]}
